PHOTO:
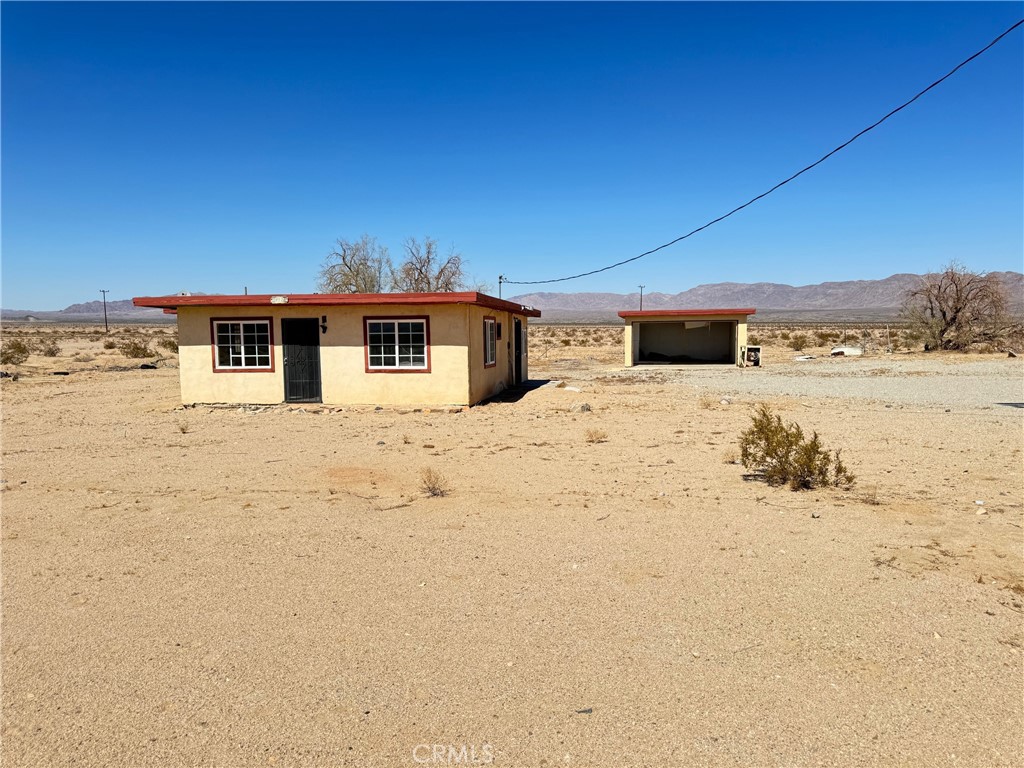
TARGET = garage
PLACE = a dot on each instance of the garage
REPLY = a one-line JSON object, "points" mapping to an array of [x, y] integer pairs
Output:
{"points": [[686, 336]]}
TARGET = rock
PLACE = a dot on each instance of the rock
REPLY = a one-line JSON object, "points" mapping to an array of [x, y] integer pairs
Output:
{"points": [[580, 408], [725, 401], [1011, 353], [379, 408], [815, 515], [381, 442]]}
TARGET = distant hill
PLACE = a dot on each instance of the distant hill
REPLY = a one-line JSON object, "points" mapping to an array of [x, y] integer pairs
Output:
{"points": [[122, 311], [876, 298]]}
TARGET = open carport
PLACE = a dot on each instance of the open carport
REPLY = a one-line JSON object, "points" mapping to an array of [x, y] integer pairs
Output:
{"points": [[682, 336]]}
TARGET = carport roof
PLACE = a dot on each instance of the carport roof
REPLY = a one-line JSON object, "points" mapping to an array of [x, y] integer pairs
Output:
{"points": [[686, 312]]}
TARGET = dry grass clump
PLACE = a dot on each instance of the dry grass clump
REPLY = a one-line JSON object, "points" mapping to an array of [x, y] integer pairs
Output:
{"points": [[183, 427], [798, 342], [83, 357], [110, 344], [433, 483], [596, 436], [136, 348], [49, 349], [14, 352], [780, 453], [707, 402], [168, 344]]}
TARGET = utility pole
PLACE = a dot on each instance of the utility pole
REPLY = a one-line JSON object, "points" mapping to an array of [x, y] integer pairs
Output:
{"points": [[641, 298], [106, 328], [501, 279]]}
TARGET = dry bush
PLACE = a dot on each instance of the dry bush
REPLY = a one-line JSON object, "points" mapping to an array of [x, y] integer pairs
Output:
{"points": [[798, 342], [183, 427], [83, 357], [784, 335], [110, 344], [566, 342], [433, 483], [49, 349], [753, 340], [596, 436], [780, 453], [168, 344], [136, 348], [14, 352], [707, 402]]}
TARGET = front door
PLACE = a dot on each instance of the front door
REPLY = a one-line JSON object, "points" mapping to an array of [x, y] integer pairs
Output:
{"points": [[300, 338]]}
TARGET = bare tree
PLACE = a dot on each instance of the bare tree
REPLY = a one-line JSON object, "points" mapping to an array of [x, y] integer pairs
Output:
{"points": [[425, 270], [361, 266], [955, 308]]}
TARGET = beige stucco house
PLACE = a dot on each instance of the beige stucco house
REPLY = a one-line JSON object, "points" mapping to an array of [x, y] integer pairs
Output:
{"points": [[686, 336], [365, 349]]}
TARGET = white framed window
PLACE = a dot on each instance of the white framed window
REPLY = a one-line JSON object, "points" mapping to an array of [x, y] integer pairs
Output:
{"points": [[490, 342], [397, 344], [242, 344]]}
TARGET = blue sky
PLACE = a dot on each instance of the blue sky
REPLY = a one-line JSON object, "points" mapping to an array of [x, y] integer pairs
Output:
{"points": [[150, 148]]}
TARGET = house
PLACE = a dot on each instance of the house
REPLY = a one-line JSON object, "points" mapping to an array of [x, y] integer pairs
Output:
{"points": [[686, 336], [369, 349]]}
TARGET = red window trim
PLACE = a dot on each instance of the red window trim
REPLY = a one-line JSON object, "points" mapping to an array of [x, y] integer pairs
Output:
{"points": [[494, 320], [213, 343], [397, 318]]}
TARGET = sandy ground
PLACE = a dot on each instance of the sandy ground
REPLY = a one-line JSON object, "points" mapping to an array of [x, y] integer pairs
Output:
{"points": [[222, 587]]}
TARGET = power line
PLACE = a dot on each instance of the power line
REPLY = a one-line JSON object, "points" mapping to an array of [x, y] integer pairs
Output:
{"points": [[802, 171]]}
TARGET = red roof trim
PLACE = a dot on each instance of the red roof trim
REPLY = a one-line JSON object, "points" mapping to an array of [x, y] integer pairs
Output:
{"points": [[686, 312], [336, 299]]}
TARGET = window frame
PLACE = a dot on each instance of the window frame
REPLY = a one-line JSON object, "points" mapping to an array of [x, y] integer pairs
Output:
{"points": [[490, 320], [367, 319], [218, 368]]}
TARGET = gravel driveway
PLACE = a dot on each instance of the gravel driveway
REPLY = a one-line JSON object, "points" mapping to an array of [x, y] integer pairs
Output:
{"points": [[942, 382]]}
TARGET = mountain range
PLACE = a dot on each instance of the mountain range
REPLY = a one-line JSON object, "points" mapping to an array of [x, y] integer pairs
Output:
{"points": [[855, 299], [850, 294]]}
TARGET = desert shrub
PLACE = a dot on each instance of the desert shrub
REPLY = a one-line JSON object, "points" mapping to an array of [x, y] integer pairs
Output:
{"points": [[826, 337], [168, 344], [82, 357], [49, 349], [135, 348], [753, 340], [798, 342], [433, 483], [596, 436], [110, 344], [14, 352], [781, 453], [566, 342], [784, 335]]}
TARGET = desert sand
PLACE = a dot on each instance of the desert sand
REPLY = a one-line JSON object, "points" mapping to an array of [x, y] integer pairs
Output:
{"points": [[232, 587]]}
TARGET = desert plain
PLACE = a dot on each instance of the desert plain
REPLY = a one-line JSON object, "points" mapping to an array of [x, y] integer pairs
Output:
{"points": [[211, 586]]}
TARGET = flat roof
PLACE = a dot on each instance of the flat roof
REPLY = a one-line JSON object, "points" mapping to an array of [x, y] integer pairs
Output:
{"points": [[334, 299], [686, 312]]}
